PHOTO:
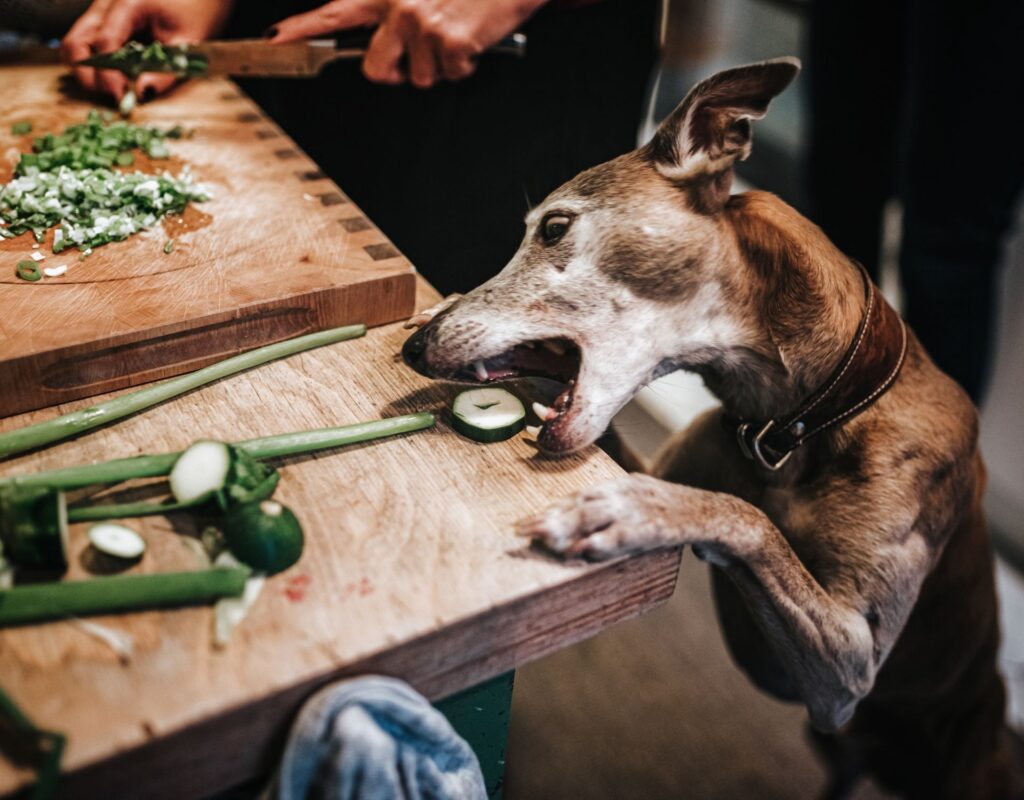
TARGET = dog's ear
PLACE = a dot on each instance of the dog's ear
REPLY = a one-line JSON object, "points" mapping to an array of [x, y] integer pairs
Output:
{"points": [[698, 143]]}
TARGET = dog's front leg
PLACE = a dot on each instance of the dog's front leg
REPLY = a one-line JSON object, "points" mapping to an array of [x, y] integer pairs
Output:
{"points": [[826, 644]]}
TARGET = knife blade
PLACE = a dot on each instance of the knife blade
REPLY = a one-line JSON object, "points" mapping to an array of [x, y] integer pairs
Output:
{"points": [[258, 58]]}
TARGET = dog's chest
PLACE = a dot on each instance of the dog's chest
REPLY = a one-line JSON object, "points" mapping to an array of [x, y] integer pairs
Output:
{"points": [[801, 518]]}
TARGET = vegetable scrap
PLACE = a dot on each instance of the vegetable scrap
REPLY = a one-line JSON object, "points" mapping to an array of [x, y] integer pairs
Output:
{"points": [[121, 642], [230, 611], [117, 541], [21, 128], [28, 271], [127, 104]]}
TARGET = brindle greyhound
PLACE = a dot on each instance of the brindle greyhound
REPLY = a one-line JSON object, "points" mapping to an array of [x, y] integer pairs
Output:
{"points": [[837, 492]]}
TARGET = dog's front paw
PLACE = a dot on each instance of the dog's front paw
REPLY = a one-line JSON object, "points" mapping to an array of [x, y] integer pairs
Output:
{"points": [[423, 317], [611, 519]]}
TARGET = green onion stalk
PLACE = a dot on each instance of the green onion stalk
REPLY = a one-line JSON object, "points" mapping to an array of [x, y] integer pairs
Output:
{"points": [[43, 601], [77, 422], [277, 446]]}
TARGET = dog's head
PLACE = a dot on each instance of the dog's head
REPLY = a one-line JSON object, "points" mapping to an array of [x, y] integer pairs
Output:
{"points": [[623, 272]]}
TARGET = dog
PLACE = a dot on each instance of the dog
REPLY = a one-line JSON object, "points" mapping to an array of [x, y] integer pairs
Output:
{"points": [[836, 492]]}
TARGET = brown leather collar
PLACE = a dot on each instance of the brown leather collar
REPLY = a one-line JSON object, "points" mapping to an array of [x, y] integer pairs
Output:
{"points": [[869, 368]]}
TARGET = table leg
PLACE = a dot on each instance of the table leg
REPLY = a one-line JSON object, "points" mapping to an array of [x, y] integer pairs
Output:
{"points": [[480, 715]]}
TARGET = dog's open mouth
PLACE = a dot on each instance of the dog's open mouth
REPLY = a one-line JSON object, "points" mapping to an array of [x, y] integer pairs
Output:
{"points": [[556, 359]]}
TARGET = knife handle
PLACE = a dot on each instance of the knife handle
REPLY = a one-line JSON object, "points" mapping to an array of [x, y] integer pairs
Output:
{"points": [[354, 45]]}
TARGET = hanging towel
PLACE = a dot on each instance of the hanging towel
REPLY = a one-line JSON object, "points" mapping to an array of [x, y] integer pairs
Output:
{"points": [[375, 738]]}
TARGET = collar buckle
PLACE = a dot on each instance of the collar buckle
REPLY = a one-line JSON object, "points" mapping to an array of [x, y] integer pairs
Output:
{"points": [[753, 449]]}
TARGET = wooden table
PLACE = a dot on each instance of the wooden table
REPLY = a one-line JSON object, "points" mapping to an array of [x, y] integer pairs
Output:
{"points": [[411, 569]]}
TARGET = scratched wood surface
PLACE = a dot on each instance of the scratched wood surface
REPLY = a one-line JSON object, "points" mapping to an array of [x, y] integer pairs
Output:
{"points": [[410, 569], [277, 252]]}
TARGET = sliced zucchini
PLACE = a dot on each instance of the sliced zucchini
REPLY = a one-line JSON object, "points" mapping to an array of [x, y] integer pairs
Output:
{"points": [[34, 526], [216, 472], [200, 471], [118, 541], [488, 415], [265, 536]]}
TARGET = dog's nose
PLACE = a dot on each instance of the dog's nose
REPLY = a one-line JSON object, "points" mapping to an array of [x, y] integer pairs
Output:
{"points": [[414, 351]]}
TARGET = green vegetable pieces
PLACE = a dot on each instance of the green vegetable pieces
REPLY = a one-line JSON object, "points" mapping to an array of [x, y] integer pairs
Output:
{"points": [[221, 473], [94, 144], [28, 271], [265, 536], [92, 206], [135, 58], [34, 526], [21, 128]]}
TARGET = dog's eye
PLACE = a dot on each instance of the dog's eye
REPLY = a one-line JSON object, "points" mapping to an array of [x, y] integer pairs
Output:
{"points": [[553, 227]]}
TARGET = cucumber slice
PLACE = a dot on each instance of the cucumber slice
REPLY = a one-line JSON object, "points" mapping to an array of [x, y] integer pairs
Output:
{"points": [[265, 536], [117, 541], [216, 472], [488, 415], [200, 471]]}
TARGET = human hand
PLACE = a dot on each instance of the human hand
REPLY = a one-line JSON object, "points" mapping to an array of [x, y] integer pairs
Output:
{"points": [[440, 38], [108, 24]]}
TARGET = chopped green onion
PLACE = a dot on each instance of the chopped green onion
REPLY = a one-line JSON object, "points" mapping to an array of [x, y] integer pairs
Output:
{"points": [[93, 207], [70, 181], [77, 422], [169, 246], [134, 58], [29, 271], [21, 128]]}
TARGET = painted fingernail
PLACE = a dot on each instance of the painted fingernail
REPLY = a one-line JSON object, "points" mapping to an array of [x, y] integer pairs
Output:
{"points": [[270, 32]]}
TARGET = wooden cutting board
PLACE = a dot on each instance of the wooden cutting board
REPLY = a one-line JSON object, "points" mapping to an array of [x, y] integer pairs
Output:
{"points": [[278, 251]]}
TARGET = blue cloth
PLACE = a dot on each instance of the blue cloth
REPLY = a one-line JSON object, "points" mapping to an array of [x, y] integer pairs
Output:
{"points": [[375, 738]]}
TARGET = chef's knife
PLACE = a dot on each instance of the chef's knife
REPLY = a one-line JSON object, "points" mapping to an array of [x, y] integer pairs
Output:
{"points": [[258, 58]]}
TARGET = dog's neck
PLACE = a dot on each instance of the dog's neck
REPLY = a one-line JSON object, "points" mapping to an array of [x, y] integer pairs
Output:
{"points": [[805, 300]]}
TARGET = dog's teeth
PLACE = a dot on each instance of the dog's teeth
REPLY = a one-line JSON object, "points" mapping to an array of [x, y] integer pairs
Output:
{"points": [[533, 430], [544, 412], [554, 347], [481, 370]]}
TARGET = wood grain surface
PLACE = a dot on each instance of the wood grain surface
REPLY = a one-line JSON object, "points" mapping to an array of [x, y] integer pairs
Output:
{"points": [[279, 251], [410, 569]]}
